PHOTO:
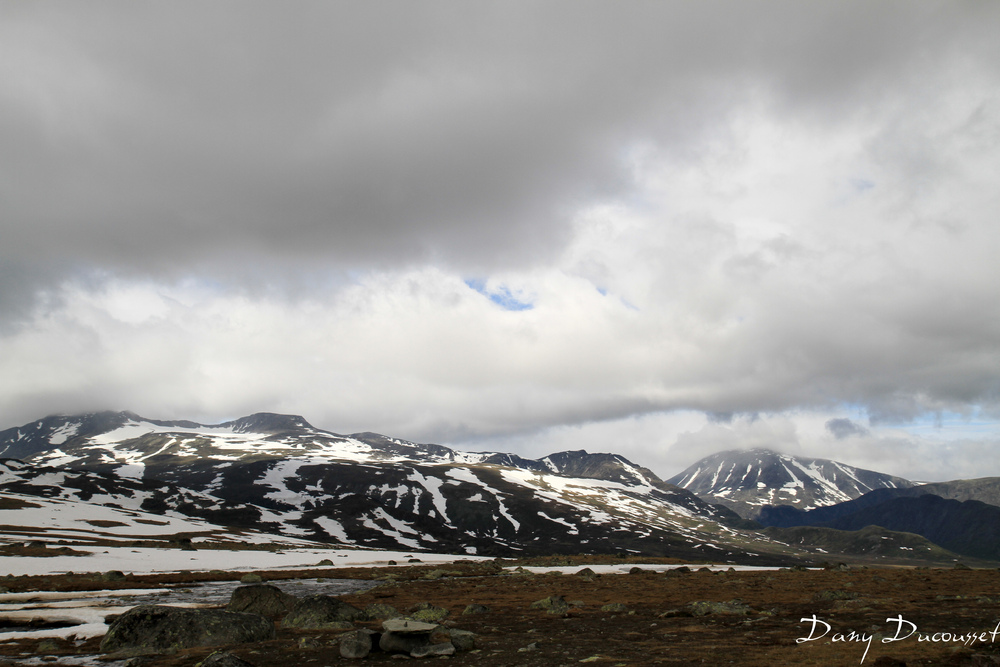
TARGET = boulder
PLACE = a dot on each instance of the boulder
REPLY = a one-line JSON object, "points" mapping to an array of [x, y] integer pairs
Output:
{"points": [[403, 635], [404, 626], [162, 628], [380, 611], [251, 578], [321, 612], [224, 659], [356, 644], [462, 640], [554, 604], [433, 650], [428, 613], [262, 599], [707, 608], [475, 609]]}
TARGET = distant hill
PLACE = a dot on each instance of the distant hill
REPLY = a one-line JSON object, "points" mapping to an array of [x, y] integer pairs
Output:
{"points": [[871, 541], [969, 527], [747, 480]]}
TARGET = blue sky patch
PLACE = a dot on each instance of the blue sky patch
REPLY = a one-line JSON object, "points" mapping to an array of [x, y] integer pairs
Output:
{"points": [[502, 296]]}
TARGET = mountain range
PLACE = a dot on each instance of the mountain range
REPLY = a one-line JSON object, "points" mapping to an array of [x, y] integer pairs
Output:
{"points": [[270, 474], [279, 474]]}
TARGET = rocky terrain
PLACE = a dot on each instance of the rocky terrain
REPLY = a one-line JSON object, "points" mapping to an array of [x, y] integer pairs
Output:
{"points": [[602, 611]]}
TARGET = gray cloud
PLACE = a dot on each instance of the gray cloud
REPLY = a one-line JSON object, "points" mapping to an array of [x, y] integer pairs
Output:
{"points": [[843, 427], [726, 207], [392, 132]]}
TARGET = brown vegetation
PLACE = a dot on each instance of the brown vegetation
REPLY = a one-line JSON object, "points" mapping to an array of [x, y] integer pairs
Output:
{"points": [[642, 618]]}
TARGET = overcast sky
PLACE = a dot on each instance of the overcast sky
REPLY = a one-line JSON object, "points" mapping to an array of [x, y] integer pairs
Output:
{"points": [[660, 229]]}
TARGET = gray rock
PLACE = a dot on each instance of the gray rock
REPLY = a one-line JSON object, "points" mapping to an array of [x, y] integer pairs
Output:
{"points": [[251, 578], [262, 599], [403, 635], [158, 627], [224, 659], [321, 612], [433, 650], [113, 575], [586, 574], [403, 626], [356, 644], [462, 640]]}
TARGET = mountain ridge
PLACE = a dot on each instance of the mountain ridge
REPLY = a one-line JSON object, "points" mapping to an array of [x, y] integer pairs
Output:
{"points": [[376, 491]]}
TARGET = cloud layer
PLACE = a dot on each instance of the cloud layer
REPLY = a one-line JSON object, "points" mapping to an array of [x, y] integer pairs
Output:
{"points": [[505, 222]]}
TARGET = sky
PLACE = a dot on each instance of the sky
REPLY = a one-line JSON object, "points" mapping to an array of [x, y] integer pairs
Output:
{"points": [[657, 229]]}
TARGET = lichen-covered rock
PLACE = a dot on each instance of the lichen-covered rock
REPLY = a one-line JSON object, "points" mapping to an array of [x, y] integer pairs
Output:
{"points": [[475, 609], [163, 628], [321, 612], [554, 604], [251, 578], [428, 613], [380, 611], [614, 607], [707, 608], [262, 599]]}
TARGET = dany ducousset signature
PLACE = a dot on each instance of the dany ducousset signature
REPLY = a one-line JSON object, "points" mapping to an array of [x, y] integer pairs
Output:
{"points": [[903, 630]]}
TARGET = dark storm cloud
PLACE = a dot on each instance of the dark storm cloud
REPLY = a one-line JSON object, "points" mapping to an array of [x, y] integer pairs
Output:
{"points": [[147, 136]]}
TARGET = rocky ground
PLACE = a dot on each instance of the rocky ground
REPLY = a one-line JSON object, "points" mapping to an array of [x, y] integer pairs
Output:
{"points": [[680, 617]]}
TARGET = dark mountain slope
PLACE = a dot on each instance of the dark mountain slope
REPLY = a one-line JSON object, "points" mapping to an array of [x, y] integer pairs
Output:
{"points": [[970, 528]]}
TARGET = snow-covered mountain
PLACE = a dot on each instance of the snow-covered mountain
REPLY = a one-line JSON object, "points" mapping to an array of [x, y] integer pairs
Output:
{"points": [[746, 480], [371, 490], [56, 506]]}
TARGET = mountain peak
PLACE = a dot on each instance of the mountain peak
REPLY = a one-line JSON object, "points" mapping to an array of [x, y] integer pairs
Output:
{"points": [[746, 480], [268, 422]]}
